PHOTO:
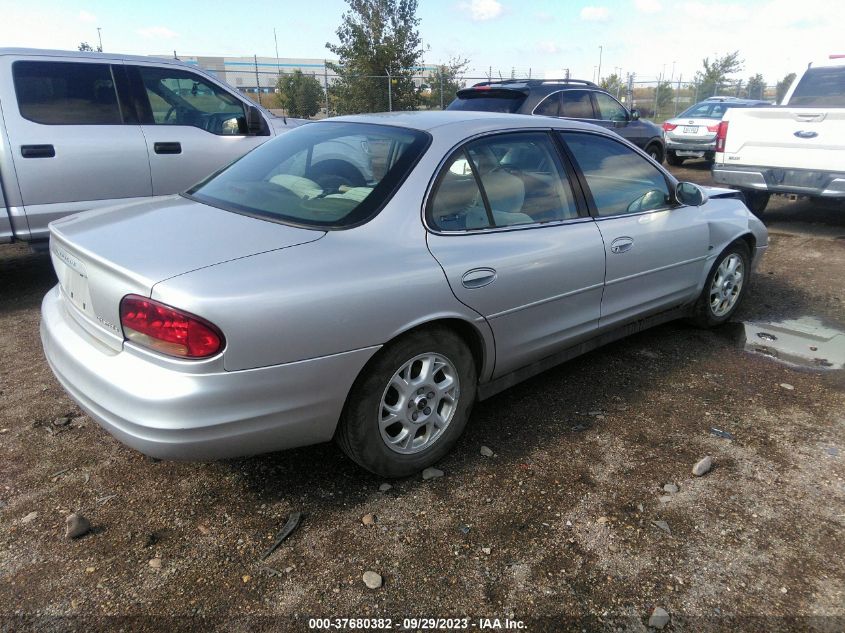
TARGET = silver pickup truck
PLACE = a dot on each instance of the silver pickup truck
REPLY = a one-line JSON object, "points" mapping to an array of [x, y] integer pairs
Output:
{"points": [[80, 131]]}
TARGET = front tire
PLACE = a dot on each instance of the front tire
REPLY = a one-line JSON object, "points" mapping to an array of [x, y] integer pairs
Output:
{"points": [[410, 404], [725, 287]]}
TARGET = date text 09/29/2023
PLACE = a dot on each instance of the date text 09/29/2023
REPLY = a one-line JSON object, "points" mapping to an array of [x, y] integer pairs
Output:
{"points": [[415, 624]]}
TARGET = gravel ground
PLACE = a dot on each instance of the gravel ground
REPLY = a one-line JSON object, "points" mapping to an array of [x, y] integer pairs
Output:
{"points": [[560, 528]]}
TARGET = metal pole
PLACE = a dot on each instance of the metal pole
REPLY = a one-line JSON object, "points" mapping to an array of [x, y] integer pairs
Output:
{"points": [[257, 82], [601, 50], [441, 87], [677, 94], [276, 40], [326, 82], [389, 91]]}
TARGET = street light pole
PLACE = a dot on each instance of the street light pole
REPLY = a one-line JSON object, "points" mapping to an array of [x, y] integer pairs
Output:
{"points": [[100, 37], [601, 50]]}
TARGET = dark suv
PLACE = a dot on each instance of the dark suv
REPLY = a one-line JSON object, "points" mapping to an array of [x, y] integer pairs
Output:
{"points": [[566, 98]]}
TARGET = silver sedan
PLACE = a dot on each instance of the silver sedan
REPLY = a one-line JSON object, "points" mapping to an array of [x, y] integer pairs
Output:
{"points": [[274, 305]]}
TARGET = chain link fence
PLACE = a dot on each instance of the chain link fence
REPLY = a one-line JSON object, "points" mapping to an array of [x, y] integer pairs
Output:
{"points": [[655, 100]]}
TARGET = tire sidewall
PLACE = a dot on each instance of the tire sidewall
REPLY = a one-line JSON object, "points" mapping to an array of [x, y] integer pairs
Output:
{"points": [[703, 313], [362, 439]]}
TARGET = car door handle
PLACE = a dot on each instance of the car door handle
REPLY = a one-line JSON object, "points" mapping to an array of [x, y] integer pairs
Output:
{"points": [[38, 151], [167, 148], [478, 277], [621, 244]]}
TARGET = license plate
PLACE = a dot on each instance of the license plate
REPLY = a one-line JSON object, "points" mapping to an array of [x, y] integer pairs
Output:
{"points": [[73, 279], [690, 129], [681, 152]]}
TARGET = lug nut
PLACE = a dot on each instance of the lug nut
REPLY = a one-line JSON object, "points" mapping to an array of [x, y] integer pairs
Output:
{"points": [[419, 391], [414, 416], [427, 410], [430, 395]]}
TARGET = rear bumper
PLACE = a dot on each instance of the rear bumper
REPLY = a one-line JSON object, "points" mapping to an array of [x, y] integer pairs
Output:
{"points": [[171, 414], [806, 182], [691, 146]]}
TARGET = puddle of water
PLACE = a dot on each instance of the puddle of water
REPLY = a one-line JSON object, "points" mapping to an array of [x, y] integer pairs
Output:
{"points": [[806, 342]]}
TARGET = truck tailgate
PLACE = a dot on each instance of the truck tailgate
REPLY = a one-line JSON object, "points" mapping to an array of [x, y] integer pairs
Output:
{"points": [[804, 138]]}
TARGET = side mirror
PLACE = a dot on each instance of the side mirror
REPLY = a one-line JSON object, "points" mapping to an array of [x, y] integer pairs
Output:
{"points": [[690, 194], [254, 122], [635, 115]]}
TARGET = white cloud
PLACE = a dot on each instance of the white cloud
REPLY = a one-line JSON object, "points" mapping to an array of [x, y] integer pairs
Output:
{"points": [[482, 10], [547, 47], [595, 14], [648, 6], [157, 32], [86, 16]]}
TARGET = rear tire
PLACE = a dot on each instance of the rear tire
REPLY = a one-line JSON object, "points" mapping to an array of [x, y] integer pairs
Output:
{"points": [[376, 429], [725, 288], [756, 201], [673, 159]]}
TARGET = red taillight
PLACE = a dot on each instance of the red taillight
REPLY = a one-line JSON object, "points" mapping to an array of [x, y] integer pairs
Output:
{"points": [[168, 330], [668, 127], [721, 135], [713, 128]]}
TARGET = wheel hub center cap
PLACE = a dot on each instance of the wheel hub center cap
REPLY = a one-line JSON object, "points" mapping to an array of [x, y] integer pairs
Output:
{"points": [[420, 402]]}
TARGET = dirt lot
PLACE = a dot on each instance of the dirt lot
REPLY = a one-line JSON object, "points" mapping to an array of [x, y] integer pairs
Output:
{"points": [[556, 530]]}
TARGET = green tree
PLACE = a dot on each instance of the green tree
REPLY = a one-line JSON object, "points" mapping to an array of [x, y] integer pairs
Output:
{"points": [[714, 75], [783, 86], [613, 84], [377, 38], [445, 81], [301, 95], [755, 86], [86, 47]]}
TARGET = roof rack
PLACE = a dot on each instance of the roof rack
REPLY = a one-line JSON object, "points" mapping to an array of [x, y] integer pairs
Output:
{"points": [[537, 82]]}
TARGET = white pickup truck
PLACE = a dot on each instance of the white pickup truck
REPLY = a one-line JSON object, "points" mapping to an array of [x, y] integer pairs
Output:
{"points": [[797, 148]]}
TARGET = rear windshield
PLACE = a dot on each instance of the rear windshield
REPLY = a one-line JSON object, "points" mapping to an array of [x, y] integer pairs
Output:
{"points": [[507, 101], [821, 88], [331, 175], [715, 110]]}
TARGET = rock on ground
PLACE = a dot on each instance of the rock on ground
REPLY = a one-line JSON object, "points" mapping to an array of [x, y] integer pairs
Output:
{"points": [[703, 466], [486, 451], [658, 618], [76, 525], [431, 473], [372, 579]]}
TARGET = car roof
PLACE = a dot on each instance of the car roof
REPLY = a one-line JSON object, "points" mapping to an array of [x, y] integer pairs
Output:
{"points": [[472, 120], [94, 55]]}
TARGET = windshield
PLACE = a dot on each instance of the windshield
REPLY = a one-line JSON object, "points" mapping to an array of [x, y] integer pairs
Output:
{"points": [[821, 88], [331, 175]]}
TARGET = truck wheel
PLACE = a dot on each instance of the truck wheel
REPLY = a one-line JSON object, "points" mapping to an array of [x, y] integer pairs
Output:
{"points": [[673, 159], [410, 404], [756, 201]]}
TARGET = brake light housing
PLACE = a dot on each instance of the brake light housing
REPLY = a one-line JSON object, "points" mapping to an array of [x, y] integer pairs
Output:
{"points": [[165, 329], [721, 135], [668, 127], [713, 128]]}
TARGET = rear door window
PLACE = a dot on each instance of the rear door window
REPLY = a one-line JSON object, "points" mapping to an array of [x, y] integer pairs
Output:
{"points": [[576, 104], [66, 93]]}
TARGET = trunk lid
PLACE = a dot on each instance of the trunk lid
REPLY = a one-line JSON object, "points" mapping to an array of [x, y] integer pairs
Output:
{"points": [[806, 138], [100, 256]]}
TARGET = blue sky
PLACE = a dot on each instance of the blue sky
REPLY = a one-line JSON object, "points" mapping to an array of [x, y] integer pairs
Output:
{"points": [[648, 37]]}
